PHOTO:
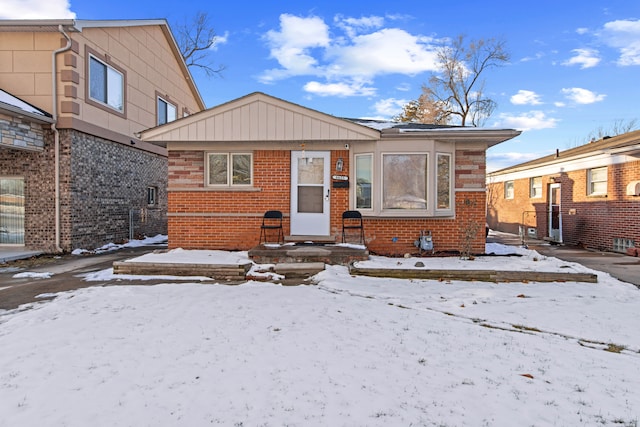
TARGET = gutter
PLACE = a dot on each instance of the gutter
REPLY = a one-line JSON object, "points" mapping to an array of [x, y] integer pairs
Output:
{"points": [[56, 133]]}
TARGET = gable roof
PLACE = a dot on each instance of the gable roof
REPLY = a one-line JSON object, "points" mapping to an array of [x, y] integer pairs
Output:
{"points": [[17, 107], [628, 143], [259, 117], [73, 25]]}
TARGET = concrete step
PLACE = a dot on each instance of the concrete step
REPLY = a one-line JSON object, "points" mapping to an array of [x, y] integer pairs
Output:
{"points": [[299, 269]]}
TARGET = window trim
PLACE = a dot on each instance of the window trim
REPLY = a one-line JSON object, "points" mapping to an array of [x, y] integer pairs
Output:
{"points": [[437, 179], [590, 181], [506, 194], [106, 60], [167, 101], [229, 155], [372, 183], [533, 194]]}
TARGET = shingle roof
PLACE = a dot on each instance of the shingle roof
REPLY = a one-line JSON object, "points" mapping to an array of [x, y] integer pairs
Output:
{"points": [[630, 140]]}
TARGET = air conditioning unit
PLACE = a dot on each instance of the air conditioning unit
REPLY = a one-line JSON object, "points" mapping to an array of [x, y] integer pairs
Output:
{"points": [[633, 188]]}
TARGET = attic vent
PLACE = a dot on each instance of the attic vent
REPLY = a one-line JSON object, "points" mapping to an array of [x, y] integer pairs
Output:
{"points": [[633, 188]]}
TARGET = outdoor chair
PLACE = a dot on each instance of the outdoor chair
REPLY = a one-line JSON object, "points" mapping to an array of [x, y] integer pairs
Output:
{"points": [[352, 221], [272, 220]]}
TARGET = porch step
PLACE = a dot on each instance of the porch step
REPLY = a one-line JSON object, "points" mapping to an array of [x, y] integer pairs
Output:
{"points": [[299, 269], [314, 239], [307, 253]]}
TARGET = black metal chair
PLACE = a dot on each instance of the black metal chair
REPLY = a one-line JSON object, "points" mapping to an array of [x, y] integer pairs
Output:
{"points": [[272, 220], [352, 220]]}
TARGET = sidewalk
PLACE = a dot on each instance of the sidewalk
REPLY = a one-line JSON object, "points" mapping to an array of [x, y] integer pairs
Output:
{"points": [[620, 266]]}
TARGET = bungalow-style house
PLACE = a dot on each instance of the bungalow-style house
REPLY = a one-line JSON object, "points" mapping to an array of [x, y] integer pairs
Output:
{"points": [[73, 96], [231, 163], [588, 195]]}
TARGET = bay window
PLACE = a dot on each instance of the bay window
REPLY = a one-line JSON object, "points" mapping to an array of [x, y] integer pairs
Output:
{"points": [[404, 181]]}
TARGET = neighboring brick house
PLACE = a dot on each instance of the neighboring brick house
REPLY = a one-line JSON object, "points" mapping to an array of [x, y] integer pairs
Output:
{"points": [[588, 195], [231, 163], [74, 96]]}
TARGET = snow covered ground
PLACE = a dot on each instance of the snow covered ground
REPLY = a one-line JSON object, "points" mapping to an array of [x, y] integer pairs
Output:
{"points": [[345, 351]]}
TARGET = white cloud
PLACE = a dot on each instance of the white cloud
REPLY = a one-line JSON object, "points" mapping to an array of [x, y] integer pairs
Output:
{"points": [[352, 26], [387, 51], [623, 35], [582, 30], [220, 40], [586, 58], [292, 45], [339, 89], [389, 107], [36, 9], [525, 97], [533, 120], [582, 96], [308, 47]]}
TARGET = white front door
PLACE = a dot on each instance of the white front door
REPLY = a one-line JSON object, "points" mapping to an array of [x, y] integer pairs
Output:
{"points": [[310, 193], [554, 217]]}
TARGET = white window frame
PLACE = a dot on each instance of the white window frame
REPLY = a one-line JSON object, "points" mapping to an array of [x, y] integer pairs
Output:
{"points": [[109, 87], [163, 104], [229, 177], [508, 195], [591, 181], [371, 183], [428, 194], [450, 179], [535, 189]]}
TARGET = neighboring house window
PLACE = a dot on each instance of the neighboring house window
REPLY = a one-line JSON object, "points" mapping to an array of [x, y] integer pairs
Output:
{"points": [[229, 169], [152, 196], [597, 184], [508, 190], [167, 112], [535, 187], [364, 180], [106, 84], [443, 178], [404, 181]]}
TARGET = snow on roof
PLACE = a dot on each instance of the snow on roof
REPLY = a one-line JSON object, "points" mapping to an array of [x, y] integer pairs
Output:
{"points": [[17, 103]]}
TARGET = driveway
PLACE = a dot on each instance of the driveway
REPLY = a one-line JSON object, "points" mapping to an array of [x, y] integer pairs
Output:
{"points": [[66, 272]]}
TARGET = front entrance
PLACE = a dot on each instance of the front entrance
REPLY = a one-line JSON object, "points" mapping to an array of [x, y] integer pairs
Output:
{"points": [[11, 211], [310, 193], [554, 213]]}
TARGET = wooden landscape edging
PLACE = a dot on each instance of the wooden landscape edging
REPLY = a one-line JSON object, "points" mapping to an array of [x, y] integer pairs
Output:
{"points": [[475, 275], [214, 271]]}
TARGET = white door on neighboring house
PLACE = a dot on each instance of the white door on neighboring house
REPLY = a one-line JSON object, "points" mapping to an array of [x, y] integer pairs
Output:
{"points": [[554, 217], [310, 193]]}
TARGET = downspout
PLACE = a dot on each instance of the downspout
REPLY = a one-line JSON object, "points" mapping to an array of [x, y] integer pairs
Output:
{"points": [[56, 133]]}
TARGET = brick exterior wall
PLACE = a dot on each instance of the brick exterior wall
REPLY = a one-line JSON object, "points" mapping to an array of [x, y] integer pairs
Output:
{"points": [[590, 221], [107, 180], [100, 181], [230, 220]]}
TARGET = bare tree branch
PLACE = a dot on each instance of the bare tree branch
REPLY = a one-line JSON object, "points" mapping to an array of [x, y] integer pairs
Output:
{"points": [[458, 89], [195, 41]]}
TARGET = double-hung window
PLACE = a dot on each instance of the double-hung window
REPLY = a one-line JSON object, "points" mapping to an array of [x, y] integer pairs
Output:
{"points": [[508, 190], [106, 84], [167, 112], [229, 169], [535, 187], [597, 181]]}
